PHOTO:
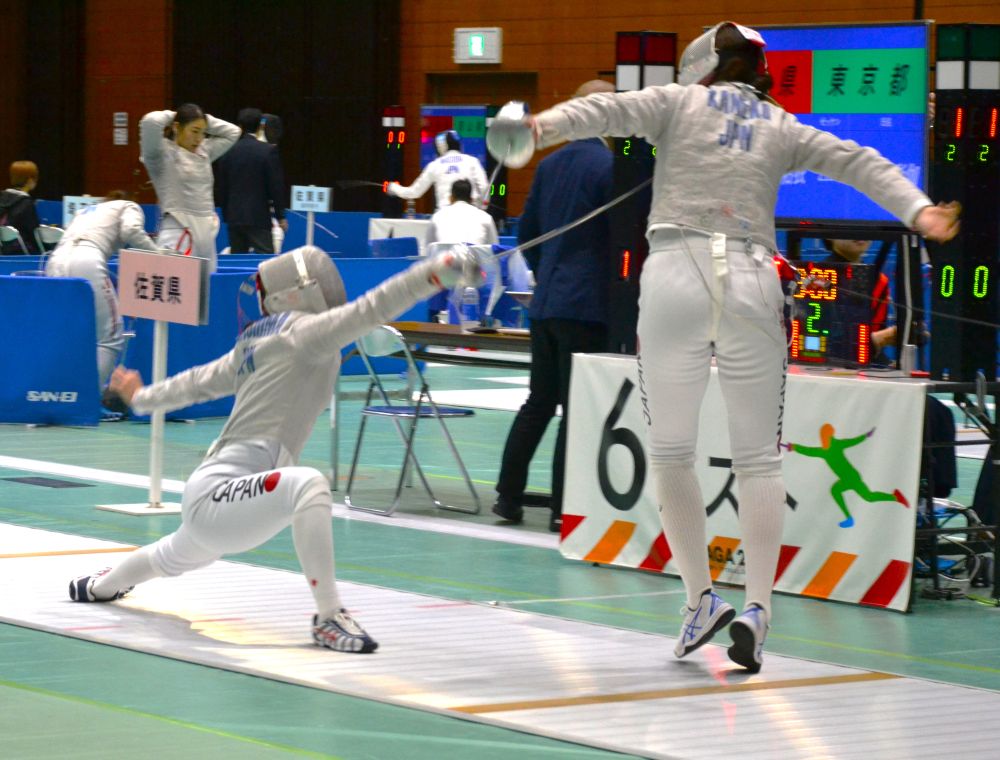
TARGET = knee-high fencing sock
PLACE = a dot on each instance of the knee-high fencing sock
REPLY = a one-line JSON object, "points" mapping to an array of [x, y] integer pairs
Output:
{"points": [[137, 568], [312, 533], [682, 515], [762, 517]]}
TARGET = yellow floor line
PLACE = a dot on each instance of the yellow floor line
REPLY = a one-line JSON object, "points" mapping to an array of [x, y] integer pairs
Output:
{"points": [[67, 552], [637, 696]]}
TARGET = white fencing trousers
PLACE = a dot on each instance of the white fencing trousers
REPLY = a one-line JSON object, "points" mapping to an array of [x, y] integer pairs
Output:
{"points": [[691, 306], [186, 232], [238, 498], [87, 261]]}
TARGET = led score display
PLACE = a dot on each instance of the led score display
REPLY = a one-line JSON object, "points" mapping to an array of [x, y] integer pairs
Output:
{"points": [[968, 135], [831, 323]]}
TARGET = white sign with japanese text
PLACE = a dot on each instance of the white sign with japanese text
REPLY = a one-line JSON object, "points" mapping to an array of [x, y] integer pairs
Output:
{"points": [[164, 287], [851, 481], [310, 198], [73, 203]]}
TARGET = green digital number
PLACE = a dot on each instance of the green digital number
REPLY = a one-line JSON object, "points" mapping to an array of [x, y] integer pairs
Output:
{"points": [[627, 147], [654, 151], [949, 154], [947, 281], [984, 153], [981, 281], [816, 314]]}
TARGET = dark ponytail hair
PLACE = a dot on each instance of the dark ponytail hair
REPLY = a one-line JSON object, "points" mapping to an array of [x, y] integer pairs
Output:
{"points": [[118, 195], [186, 113], [739, 61]]}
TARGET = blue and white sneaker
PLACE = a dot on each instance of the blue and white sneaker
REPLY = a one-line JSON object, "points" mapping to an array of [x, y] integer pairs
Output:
{"points": [[748, 632], [702, 623], [82, 589], [342, 634]]}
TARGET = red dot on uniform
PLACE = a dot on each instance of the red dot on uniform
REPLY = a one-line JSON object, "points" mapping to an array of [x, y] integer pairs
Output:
{"points": [[314, 582], [271, 481]]}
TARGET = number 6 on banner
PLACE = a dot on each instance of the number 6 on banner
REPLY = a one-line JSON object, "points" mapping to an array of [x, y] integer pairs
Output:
{"points": [[610, 435]]}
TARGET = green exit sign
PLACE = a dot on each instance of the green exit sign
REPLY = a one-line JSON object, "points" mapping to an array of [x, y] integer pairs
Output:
{"points": [[479, 45]]}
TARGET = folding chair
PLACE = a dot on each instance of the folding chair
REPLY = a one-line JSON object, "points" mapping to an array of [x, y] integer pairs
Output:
{"points": [[47, 236], [385, 341], [10, 234]]}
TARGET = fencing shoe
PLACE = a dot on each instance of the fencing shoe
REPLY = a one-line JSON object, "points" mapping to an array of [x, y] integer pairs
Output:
{"points": [[748, 632], [82, 589], [342, 634], [702, 622]]}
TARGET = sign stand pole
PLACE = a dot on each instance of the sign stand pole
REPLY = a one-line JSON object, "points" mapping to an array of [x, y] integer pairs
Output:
{"points": [[158, 418], [164, 288], [310, 226]]}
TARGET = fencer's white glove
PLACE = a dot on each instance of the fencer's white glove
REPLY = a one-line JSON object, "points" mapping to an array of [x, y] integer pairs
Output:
{"points": [[511, 137], [458, 266]]}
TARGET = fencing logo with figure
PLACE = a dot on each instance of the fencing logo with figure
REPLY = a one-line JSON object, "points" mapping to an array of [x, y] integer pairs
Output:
{"points": [[832, 451]]}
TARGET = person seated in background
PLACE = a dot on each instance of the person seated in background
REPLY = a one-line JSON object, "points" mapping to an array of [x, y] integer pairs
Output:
{"points": [[461, 222], [450, 165], [937, 417], [883, 335], [17, 209]]}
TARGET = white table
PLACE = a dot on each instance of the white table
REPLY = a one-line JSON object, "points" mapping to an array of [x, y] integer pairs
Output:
{"points": [[397, 228]]}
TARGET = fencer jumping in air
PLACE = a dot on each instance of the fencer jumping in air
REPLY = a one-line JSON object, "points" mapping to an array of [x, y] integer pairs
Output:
{"points": [[282, 371], [450, 165], [709, 287], [96, 234], [178, 148]]}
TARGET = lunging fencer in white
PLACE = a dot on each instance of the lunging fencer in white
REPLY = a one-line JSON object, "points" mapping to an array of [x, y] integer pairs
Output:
{"points": [[282, 371], [178, 148], [96, 234], [710, 288]]}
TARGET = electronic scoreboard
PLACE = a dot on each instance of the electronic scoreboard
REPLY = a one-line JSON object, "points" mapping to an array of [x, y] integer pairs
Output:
{"points": [[831, 315], [862, 82], [966, 168]]}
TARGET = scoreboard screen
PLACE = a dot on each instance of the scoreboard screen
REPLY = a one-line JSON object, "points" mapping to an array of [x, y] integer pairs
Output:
{"points": [[866, 83], [831, 318], [468, 121]]}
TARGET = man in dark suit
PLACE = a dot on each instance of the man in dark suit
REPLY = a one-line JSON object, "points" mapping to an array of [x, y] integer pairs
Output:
{"points": [[569, 310], [250, 188]]}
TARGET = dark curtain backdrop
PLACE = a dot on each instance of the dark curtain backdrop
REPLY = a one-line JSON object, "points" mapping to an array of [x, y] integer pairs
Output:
{"points": [[42, 98], [326, 67]]}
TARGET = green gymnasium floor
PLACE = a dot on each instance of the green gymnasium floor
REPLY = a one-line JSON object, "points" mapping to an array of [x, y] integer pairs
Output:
{"points": [[65, 697]]}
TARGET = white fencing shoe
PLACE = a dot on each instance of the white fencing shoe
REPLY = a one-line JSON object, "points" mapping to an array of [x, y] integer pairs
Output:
{"points": [[82, 589], [702, 623], [342, 634], [748, 632]]}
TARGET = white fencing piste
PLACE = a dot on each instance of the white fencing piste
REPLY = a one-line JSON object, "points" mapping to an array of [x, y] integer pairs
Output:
{"points": [[591, 684]]}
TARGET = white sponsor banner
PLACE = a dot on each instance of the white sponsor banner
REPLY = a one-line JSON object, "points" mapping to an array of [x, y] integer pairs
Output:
{"points": [[610, 513]]}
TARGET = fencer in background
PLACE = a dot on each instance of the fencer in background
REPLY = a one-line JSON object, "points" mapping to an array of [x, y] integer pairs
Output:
{"points": [[450, 165], [709, 287], [178, 148], [94, 235], [282, 371]]}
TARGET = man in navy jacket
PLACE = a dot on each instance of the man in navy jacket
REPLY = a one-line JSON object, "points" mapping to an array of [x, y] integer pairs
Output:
{"points": [[250, 188], [569, 309]]}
